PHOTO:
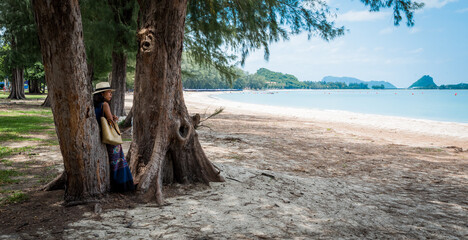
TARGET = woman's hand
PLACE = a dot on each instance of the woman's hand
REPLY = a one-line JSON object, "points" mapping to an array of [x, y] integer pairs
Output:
{"points": [[115, 118]]}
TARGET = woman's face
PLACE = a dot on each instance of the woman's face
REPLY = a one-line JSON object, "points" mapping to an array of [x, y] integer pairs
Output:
{"points": [[107, 95]]}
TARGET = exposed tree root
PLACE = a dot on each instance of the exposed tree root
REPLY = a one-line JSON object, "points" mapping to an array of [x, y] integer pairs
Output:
{"points": [[56, 184]]}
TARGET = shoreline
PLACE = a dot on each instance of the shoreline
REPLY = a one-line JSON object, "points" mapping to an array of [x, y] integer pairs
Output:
{"points": [[398, 130]]}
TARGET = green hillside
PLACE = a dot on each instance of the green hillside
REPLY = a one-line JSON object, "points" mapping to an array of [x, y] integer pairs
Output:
{"points": [[426, 82], [279, 80]]}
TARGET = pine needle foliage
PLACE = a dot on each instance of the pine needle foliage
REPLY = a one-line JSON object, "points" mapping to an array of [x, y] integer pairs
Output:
{"points": [[18, 35], [109, 26], [125, 14], [98, 35], [216, 27], [406, 6], [219, 30]]}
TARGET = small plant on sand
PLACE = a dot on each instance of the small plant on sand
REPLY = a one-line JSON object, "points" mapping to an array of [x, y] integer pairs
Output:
{"points": [[237, 157], [7, 174], [6, 162], [16, 197], [200, 121], [46, 178]]}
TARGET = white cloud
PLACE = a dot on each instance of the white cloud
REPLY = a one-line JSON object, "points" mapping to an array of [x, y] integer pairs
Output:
{"points": [[362, 16], [436, 3], [386, 31], [414, 30], [418, 50], [464, 10]]}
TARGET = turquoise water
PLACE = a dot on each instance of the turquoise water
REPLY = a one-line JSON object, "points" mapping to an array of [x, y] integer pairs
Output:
{"points": [[439, 105]]}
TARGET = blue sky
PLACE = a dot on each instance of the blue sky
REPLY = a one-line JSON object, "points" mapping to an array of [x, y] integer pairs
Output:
{"points": [[374, 49]]}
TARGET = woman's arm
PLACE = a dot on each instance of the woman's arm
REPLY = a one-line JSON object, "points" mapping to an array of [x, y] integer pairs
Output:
{"points": [[107, 111]]}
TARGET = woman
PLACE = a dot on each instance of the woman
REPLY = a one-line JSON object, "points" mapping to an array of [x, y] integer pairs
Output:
{"points": [[121, 178]]}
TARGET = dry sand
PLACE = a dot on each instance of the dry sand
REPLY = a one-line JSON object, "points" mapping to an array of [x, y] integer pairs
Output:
{"points": [[305, 174]]}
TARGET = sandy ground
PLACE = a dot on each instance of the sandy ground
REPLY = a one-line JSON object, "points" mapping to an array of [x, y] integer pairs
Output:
{"points": [[303, 174]]}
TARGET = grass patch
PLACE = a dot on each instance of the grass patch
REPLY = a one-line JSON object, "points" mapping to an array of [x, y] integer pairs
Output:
{"points": [[12, 127], [2, 191], [36, 96], [16, 113], [4, 95], [7, 151], [237, 157], [6, 174], [6, 162], [47, 178], [50, 142], [24, 124], [16, 197], [11, 137]]}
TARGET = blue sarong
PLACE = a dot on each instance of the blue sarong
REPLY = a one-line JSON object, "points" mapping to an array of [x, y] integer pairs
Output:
{"points": [[120, 175]]}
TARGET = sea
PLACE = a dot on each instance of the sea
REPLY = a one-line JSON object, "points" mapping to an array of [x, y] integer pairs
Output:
{"points": [[438, 105]]}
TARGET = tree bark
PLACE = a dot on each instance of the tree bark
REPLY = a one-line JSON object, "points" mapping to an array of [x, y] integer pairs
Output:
{"points": [[165, 147], [17, 84], [63, 53], [119, 77], [34, 86]]}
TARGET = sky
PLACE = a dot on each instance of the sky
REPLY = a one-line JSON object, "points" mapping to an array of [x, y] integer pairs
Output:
{"points": [[374, 49]]}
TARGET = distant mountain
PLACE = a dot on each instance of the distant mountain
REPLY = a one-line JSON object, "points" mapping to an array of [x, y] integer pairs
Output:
{"points": [[426, 82], [349, 80], [278, 80]]}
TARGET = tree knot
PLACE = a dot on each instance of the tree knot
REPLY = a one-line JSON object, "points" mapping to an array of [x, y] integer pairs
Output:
{"points": [[146, 39], [183, 130]]}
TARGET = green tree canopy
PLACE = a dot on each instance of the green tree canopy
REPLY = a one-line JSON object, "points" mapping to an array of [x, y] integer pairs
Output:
{"points": [[18, 32]]}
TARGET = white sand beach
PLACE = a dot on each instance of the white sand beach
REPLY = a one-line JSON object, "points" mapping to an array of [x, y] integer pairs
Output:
{"points": [[386, 129]]}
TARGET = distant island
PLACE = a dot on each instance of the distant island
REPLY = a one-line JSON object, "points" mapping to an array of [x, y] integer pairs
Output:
{"points": [[278, 80], [200, 78], [427, 82], [349, 80], [195, 77]]}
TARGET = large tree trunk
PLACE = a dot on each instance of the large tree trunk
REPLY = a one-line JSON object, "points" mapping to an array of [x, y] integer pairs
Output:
{"points": [[165, 146], [17, 84], [84, 156], [119, 76], [34, 86]]}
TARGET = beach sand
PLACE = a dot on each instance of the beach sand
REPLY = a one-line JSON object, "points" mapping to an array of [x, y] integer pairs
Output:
{"points": [[306, 174]]}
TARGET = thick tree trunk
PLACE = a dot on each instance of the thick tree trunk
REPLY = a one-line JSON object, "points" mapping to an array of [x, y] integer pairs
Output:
{"points": [[119, 77], [34, 86], [17, 84], [63, 53], [165, 146]]}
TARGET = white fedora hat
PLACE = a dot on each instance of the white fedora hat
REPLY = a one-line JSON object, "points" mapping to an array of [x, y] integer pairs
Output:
{"points": [[102, 87]]}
